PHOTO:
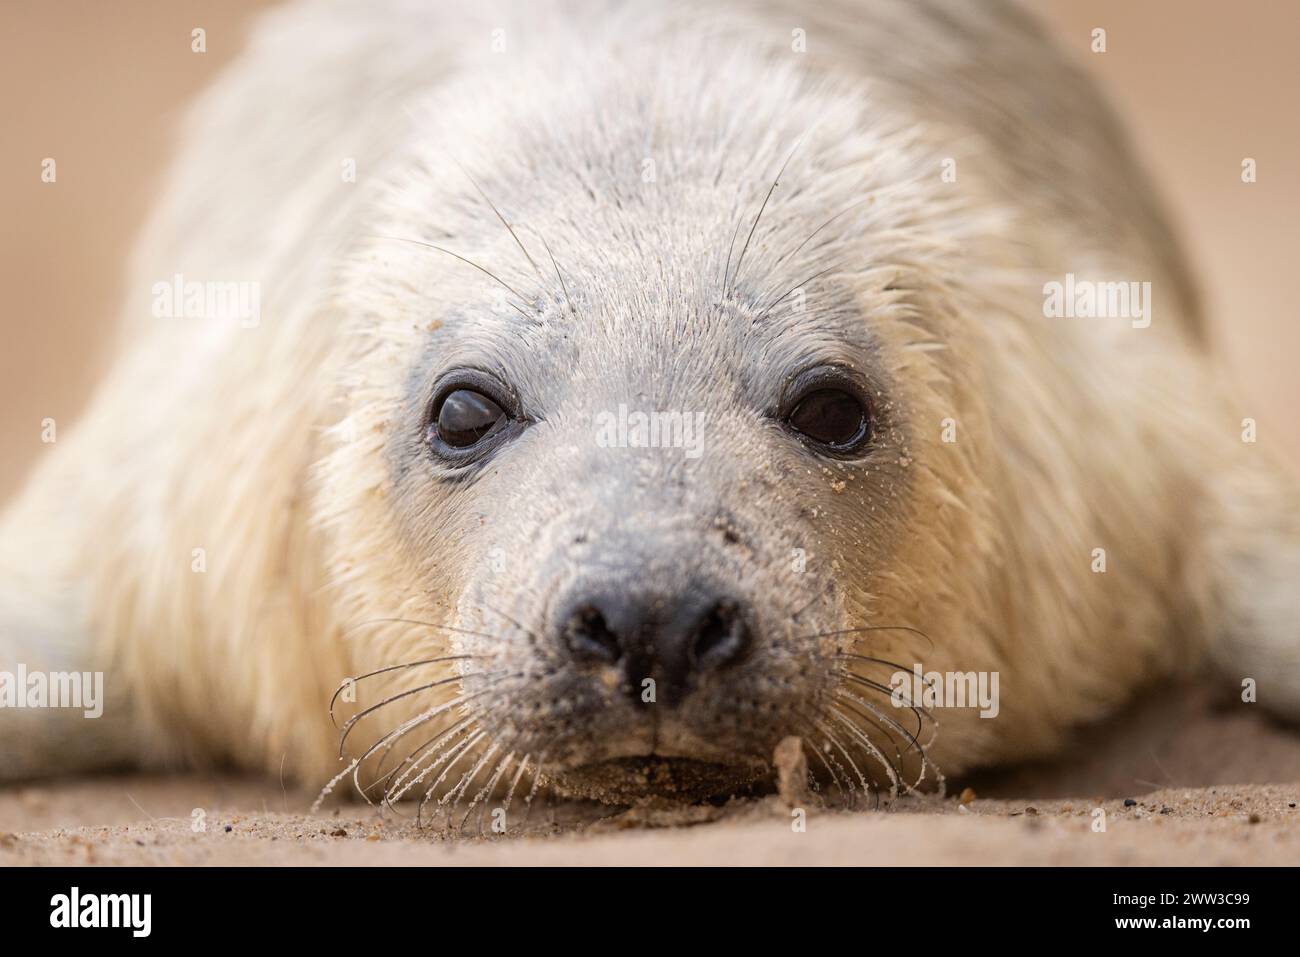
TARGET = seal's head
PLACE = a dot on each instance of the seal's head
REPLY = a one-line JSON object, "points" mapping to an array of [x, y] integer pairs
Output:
{"points": [[645, 357]]}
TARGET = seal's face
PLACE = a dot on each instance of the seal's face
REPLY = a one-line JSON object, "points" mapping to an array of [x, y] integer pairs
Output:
{"points": [[644, 494], [652, 443]]}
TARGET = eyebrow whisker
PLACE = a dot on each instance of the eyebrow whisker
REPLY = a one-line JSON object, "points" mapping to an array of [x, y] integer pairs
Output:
{"points": [[469, 262], [771, 189], [522, 248], [798, 285]]}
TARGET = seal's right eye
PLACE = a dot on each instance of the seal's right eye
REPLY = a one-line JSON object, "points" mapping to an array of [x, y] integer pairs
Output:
{"points": [[465, 417], [831, 418], [829, 409]]}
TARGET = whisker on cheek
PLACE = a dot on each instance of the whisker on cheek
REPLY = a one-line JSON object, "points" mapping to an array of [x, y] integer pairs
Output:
{"points": [[352, 722], [403, 770], [351, 682], [871, 749], [453, 798], [436, 756], [812, 734], [459, 752], [918, 712], [858, 778], [494, 778], [406, 728], [531, 634], [532, 792]]}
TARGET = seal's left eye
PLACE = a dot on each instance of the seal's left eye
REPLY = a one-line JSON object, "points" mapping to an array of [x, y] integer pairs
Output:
{"points": [[466, 416]]}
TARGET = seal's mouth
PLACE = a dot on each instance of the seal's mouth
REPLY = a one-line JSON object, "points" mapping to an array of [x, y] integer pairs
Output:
{"points": [[634, 780]]}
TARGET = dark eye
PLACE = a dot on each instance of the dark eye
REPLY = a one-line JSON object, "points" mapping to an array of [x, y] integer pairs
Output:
{"points": [[832, 417], [466, 416]]}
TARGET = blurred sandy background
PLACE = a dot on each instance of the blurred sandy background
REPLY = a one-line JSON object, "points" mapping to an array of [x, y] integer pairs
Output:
{"points": [[98, 86]]}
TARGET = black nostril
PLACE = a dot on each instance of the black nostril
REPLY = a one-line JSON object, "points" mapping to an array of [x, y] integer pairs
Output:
{"points": [[650, 635], [589, 636], [722, 638]]}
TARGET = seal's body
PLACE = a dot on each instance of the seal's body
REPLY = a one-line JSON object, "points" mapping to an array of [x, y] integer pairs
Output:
{"points": [[812, 248]]}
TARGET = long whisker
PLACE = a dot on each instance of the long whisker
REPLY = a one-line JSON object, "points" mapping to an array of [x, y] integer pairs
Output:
{"points": [[469, 262], [775, 182], [390, 739], [919, 711], [835, 778], [532, 792], [862, 778], [558, 275], [409, 664], [436, 756], [509, 228], [406, 728], [726, 270], [414, 758], [392, 791], [459, 751], [331, 784], [416, 621], [452, 798], [514, 783], [847, 700], [804, 741], [446, 751], [871, 749], [870, 628], [817, 275], [484, 794], [450, 755], [845, 703], [352, 721], [512, 621], [879, 661], [912, 736], [784, 256]]}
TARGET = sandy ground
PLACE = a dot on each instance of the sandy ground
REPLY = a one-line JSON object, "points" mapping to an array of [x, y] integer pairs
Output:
{"points": [[1196, 776]]}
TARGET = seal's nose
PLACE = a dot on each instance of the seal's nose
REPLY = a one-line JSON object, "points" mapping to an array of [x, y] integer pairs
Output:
{"points": [[653, 637]]}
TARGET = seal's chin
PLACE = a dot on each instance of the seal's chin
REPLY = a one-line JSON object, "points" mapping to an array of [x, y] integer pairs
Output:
{"points": [[637, 780]]}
